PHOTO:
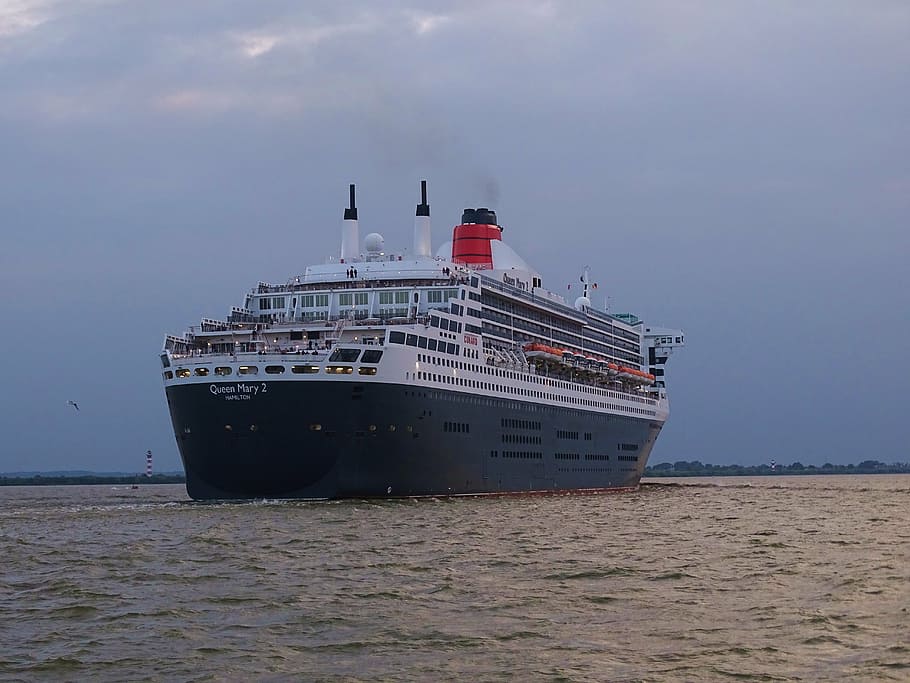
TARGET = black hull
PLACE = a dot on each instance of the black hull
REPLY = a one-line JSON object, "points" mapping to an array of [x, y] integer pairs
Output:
{"points": [[342, 439]]}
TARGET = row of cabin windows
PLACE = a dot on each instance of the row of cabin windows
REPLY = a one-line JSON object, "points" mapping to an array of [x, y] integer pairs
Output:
{"points": [[563, 434], [526, 332], [514, 308], [267, 303], [488, 386], [521, 438], [391, 297], [272, 370], [341, 355], [459, 427], [523, 455], [423, 343], [508, 403], [357, 299], [445, 324], [576, 456], [433, 296], [564, 456], [519, 424], [373, 429]]}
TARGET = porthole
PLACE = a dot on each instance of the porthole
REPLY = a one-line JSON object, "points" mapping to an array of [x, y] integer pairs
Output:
{"points": [[228, 428], [168, 375], [247, 370], [223, 370], [182, 372], [202, 372], [274, 369], [315, 427]]}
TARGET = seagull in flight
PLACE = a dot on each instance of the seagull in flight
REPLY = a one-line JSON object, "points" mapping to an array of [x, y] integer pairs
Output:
{"points": [[74, 404]]}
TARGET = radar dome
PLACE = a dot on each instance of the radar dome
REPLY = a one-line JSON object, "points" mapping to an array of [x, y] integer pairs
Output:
{"points": [[373, 243], [582, 302]]}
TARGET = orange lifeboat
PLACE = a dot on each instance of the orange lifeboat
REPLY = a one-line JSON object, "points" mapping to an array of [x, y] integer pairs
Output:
{"points": [[538, 351]]}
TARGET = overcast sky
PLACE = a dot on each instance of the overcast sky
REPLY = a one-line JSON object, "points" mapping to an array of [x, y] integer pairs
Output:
{"points": [[737, 169]]}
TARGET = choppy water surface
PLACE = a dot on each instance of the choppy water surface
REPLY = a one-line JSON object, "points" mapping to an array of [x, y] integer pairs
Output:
{"points": [[705, 579]]}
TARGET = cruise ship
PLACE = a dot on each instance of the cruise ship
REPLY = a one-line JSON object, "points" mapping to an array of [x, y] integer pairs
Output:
{"points": [[380, 374]]}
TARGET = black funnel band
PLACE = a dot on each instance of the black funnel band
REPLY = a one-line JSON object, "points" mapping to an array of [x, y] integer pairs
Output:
{"points": [[423, 209], [350, 214]]}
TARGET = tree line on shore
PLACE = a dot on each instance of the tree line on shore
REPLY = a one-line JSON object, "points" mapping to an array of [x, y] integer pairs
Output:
{"points": [[680, 468], [683, 468], [60, 479]]}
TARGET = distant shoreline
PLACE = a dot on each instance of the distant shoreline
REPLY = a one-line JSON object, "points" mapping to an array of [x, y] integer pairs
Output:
{"points": [[659, 471], [697, 469], [64, 480]]}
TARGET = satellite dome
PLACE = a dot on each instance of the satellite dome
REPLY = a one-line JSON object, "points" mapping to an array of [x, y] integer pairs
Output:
{"points": [[582, 302], [373, 243]]}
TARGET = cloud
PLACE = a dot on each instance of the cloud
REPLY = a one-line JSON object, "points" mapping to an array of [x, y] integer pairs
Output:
{"points": [[255, 45], [21, 16]]}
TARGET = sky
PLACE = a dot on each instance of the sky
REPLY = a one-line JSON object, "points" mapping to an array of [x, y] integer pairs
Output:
{"points": [[740, 170]]}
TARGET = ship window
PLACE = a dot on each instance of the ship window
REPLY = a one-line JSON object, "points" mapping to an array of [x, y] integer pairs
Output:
{"points": [[396, 337], [344, 355], [422, 342], [411, 340], [371, 356], [443, 324], [315, 427], [168, 375], [434, 321], [247, 370], [431, 344], [202, 372], [274, 369], [339, 369], [223, 370], [182, 372], [304, 369], [401, 297], [434, 296], [322, 300], [452, 349], [366, 371], [345, 299]]}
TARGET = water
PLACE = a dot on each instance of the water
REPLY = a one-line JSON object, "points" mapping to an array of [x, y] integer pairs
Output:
{"points": [[704, 579]]}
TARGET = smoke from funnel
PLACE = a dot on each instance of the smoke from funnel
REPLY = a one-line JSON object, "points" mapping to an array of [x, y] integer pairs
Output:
{"points": [[489, 190]]}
